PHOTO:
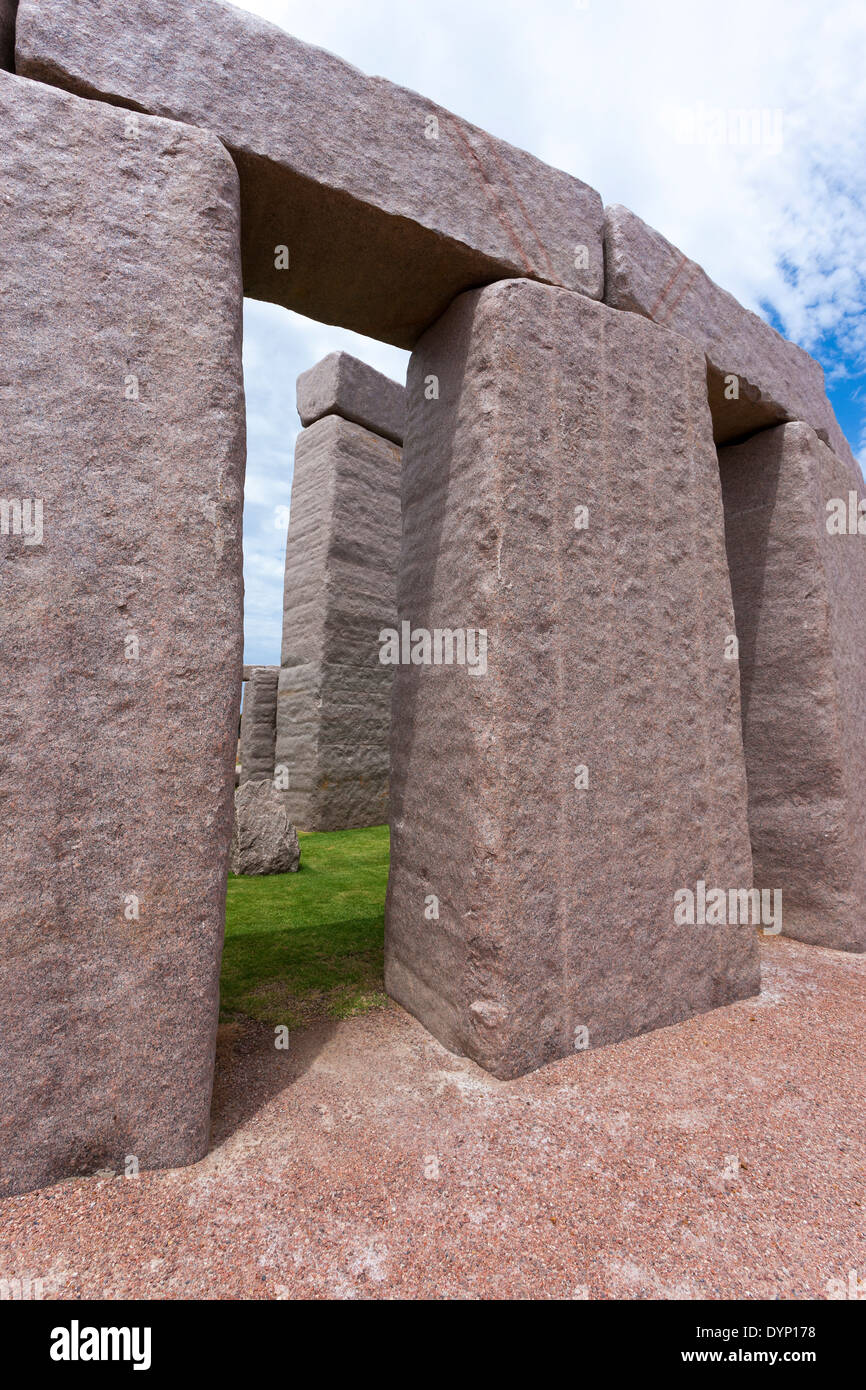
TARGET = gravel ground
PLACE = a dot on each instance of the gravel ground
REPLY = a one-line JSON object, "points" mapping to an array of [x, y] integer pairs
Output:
{"points": [[721, 1158]]}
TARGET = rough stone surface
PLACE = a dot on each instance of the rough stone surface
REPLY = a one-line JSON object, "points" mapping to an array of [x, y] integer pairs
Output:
{"points": [[605, 650], [343, 385], [119, 262], [264, 840], [333, 709], [800, 602], [259, 722], [777, 381], [7, 34], [722, 1158], [384, 225]]}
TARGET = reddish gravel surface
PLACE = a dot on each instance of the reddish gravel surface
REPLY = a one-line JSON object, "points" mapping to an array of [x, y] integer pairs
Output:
{"points": [[719, 1158]]}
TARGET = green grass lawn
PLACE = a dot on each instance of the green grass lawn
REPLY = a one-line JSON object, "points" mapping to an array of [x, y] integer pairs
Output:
{"points": [[307, 946]]}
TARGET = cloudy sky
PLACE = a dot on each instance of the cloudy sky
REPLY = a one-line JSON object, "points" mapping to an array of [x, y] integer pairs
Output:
{"points": [[616, 92]]}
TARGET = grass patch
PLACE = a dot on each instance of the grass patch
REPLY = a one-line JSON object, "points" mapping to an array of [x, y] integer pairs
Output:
{"points": [[308, 946]]}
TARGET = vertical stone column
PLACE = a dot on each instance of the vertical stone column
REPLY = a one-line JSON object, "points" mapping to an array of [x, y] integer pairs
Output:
{"points": [[798, 574], [333, 709], [122, 444], [561, 493], [7, 34], [259, 723]]}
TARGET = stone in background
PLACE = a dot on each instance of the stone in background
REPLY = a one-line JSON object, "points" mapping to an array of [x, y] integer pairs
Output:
{"points": [[258, 722], [264, 840], [343, 385], [800, 602], [333, 709]]}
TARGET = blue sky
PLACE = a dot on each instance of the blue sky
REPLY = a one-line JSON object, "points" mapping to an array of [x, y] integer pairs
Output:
{"points": [[627, 96]]}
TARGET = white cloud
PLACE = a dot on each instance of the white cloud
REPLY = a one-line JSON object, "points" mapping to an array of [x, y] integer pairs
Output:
{"points": [[597, 90], [278, 346]]}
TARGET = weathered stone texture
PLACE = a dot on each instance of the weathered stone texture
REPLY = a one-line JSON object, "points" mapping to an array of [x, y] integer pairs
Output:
{"points": [[119, 266], [777, 381], [333, 710], [384, 225], [800, 601], [7, 34], [343, 385], [264, 840], [606, 649], [259, 722]]}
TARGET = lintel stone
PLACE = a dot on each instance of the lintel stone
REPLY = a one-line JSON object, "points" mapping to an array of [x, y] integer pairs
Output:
{"points": [[344, 385], [776, 381], [387, 204]]}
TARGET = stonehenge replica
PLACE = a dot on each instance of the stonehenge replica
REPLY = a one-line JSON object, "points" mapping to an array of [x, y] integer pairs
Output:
{"points": [[604, 556]]}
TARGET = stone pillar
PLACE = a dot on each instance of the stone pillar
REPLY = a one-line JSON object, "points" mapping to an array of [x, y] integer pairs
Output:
{"points": [[122, 412], [561, 493], [7, 34], [333, 709], [259, 722], [799, 589]]}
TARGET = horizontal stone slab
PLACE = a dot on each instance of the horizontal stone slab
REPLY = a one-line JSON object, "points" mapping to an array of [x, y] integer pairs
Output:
{"points": [[776, 381], [344, 385], [250, 671], [387, 204]]}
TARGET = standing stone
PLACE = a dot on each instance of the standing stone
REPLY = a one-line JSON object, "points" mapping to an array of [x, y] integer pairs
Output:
{"points": [[259, 722], [756, 378], [122, 414], [545, 811], [264, 840], [364, 204], [7, 34], [334, 705], [800, 602]]}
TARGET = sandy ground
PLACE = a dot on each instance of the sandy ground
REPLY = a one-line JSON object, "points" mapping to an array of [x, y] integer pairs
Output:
{"points": [[723, 1157]]}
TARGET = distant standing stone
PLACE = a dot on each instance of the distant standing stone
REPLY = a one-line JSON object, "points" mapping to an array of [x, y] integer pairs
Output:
{"points": [[264, 840]]}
